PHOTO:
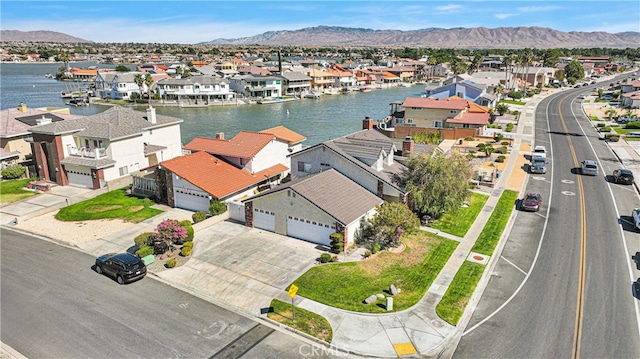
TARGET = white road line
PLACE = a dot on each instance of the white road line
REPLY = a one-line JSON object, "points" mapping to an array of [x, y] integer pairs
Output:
{"points": [[514, 266]]}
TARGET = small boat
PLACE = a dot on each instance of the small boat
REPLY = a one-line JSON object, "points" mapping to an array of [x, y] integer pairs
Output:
{"points": [[49, 76], [331, 92], [365, 88], [313, 94], [268, 100], [405, 84]]}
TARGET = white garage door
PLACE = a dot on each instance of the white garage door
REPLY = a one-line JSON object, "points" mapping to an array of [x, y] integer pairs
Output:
{"points": [[309, 231], [191, 201], [264, 220], [79, 179]]}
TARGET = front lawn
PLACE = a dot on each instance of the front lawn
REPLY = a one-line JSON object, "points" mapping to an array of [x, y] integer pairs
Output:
{"points": [[492, 231], [458, 221], [347, 285], [114, 204], [513, 102], [305, 321], [12, 190]]}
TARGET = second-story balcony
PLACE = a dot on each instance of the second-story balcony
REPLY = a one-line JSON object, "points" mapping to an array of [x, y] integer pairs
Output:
{"points": [[86, 152]]}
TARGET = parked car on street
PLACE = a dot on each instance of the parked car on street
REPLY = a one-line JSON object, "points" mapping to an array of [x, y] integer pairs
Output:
{"points": [[538, 165], [539, 151], [531, 202], [623, 176], [589, 167], [636, 217], [124, 267]]}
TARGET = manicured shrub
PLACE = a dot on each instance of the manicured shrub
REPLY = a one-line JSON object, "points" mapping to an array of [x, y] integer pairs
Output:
{"points": [[505, 143], [337, 242], [509, 127], [186, 224], [600, 124], [144, 251], [199, 216], [171, 262], [217, 207], [13, 171], [375, 248], [187, 244], [468, 138], [613, 137], [143, 239], [500, 159], [605, 129], [325, 258], [367, 253], [166, 233], [501, 150], [186, 251], [633, 125]]}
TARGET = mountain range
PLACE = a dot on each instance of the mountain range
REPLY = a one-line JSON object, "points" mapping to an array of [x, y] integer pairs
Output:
{"points": [[335, 36]]}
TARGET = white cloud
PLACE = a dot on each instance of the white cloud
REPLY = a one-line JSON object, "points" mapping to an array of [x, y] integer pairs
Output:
{"points": [[503, 16], [538, 8], [449, 8]]}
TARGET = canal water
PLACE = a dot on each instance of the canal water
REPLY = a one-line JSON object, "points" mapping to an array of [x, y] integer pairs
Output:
{"points": [[319, 120]]}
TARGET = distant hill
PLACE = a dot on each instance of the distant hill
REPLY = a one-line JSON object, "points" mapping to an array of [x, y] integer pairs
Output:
{"points": [[468, 38], [38, 36]]}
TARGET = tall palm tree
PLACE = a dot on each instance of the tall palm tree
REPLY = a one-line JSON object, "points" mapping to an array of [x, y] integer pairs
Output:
{"points": [[148, 80], [139, 80], [527, 57]]}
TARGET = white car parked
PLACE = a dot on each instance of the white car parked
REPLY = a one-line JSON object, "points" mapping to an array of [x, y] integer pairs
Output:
{"points": [[636, 217]]}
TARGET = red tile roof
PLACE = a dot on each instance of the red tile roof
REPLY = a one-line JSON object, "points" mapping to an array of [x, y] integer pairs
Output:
{"points": [[471, 119], [245, 144], [447, 103], [285, 134], [215, 176], [473, 107]]}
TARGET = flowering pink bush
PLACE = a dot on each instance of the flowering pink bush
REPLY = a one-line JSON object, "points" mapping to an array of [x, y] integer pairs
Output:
{"points": [[169, 232]]}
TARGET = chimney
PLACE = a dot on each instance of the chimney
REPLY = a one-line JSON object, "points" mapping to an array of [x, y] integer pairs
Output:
{"points": [[151, 115], [407, 146], [42, 121], [367, 123], [220, 136], [22, 107]]}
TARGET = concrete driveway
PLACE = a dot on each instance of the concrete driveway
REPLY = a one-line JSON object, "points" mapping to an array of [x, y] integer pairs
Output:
{"points": [[242, 268]]}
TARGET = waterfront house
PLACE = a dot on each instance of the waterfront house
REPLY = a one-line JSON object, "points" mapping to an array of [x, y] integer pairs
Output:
{"points": [[295, 83], [118, 85], [195, 180], [320, 78], [365, 157], [102, 150], [453, 117], [254, 86], [15, 122], [195, 91], [344, 79], [313, 207], [465, 89]]}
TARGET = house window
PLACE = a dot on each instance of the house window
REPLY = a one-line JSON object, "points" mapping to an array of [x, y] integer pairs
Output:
{"points": [[409, 120], [465, 125], [459, 94], [453, 112], [123, 170], [304, 167], [437, 124]]}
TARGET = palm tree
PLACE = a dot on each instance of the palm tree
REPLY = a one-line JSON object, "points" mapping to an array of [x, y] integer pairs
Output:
{"points": [[148, 80], [508, 61], [432, 61], [139, 80], [527, 57]]}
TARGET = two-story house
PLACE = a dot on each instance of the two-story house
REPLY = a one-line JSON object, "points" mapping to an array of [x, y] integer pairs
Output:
{"points": [[320, 79], [256, 86], [465, 89], [103, 149], [195, 90], [295, 83], [118, 85]]}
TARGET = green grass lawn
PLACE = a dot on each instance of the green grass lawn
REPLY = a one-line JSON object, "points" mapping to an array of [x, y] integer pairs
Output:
{"points": [[347, 285], [455, 300], [492, 231], [458, 221], [305, 321], [513, 102], [12, 190], [114, 204]]}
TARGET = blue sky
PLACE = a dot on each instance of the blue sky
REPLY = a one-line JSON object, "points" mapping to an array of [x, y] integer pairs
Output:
{"points": [[191, 22]]}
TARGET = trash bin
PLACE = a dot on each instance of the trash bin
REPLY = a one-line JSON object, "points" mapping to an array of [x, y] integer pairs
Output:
{"points": [[460, 142], [389, 303]]}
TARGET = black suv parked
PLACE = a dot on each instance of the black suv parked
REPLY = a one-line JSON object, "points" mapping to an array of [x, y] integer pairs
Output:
{"points": [[124, 267], [623, 176]]}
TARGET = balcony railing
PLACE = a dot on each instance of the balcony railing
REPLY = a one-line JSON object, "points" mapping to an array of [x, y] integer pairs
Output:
{"points": [[87, 152]]}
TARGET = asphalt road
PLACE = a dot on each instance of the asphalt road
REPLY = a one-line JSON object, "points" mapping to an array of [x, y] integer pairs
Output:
{"points": [[55, 306], [563, 285]]}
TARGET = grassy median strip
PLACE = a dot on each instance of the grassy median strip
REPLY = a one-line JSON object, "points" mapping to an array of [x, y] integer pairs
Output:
{"points": [[492, 231], [347, 285], [456, 298], [114, 204], [305, 321], [458, 221], [13, 190]]}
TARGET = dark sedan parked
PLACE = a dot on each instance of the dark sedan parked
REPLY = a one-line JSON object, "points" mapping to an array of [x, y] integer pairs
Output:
{"points": [[124, 267], [531, 202], [623, 176]]}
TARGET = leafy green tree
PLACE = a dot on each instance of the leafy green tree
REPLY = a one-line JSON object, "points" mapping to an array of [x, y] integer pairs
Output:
{"points": [[515, 95], [122, 68], [487, 148], [437, 184], [388, 225], [551, 57], [574, 70]]}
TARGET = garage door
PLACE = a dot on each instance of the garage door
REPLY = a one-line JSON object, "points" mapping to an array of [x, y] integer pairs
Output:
{"points": [[309, 230], [79, 179], [192, 201], [264, 220]]}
